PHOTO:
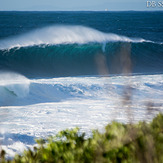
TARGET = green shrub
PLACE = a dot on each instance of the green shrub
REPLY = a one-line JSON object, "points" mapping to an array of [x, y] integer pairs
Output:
{"points": [[126, 143]]}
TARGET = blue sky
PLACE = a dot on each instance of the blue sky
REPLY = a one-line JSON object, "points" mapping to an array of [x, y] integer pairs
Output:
{"points": [[75, 5]]}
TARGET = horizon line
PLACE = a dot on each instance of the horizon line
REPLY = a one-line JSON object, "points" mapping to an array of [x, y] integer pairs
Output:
{"points": [[78, 10]]}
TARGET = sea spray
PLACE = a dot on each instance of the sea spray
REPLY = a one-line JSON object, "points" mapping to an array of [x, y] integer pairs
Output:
{"points": [[64, 34]]}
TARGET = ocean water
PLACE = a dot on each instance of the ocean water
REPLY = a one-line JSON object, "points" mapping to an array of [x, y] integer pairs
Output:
{"points": [[60, 70]]}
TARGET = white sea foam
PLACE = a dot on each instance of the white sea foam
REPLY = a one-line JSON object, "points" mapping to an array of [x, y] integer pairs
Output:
{"points": [[63, 35], [12, 86], [87, 102]]}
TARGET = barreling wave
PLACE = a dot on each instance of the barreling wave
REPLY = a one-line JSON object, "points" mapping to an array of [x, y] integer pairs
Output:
{"points": [[76, 50]]}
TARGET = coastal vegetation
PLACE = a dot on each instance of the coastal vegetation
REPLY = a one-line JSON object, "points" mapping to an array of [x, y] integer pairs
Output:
{"points": [[141, 142]]}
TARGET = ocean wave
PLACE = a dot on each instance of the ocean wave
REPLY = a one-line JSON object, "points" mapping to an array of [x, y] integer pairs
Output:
{"points": [[55, 35], [85, 59], [54, 90], [13, 87]]}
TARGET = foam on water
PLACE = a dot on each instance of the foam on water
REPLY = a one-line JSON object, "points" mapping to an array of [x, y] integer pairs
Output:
{"points": [[63, 35], [55, 104], [13, 86]]}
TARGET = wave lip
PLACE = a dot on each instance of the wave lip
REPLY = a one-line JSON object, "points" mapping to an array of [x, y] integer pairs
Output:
{"points": [[54, 35]]}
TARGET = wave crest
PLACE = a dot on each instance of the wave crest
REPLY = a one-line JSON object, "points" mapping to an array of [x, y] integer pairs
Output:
{"points": [[63, 35]]}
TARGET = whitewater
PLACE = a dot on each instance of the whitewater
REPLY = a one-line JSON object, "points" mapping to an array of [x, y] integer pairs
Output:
{"points": [[42, 107], [62, 70]]}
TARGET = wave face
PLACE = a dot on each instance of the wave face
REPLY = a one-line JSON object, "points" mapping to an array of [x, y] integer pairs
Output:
{"points": [[77, 50]]}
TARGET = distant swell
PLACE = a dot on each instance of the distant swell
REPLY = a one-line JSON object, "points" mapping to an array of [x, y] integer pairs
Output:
{"points": [[64, 35]]}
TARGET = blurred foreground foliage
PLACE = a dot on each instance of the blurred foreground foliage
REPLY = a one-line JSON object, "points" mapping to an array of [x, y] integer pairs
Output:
{"points": [[141, 142]]}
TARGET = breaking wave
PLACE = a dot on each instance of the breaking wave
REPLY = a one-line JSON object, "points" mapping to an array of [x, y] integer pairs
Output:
{"points": [[74, 50], [64, 35], [13, 86]]}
